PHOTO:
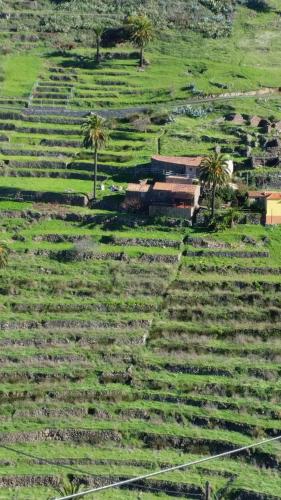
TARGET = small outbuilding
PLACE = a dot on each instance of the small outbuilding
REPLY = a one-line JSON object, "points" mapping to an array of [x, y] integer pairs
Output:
{"points": [[254, 121], [236, 118], [273, 208], [270, 202]]}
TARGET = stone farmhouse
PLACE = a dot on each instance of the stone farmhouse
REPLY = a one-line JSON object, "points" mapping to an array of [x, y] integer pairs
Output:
{"points": [[177, 195], [270, 203], [186, 166], [172, 199]]}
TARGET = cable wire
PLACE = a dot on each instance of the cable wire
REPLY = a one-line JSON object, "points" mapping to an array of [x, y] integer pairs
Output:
{"points": [[48, 462], [169, 469]]}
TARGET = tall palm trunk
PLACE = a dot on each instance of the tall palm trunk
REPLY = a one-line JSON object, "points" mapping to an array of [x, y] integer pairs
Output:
{"points": [[213, 199], [95, 172], [98, 40], [142, 56], [159, 145]]}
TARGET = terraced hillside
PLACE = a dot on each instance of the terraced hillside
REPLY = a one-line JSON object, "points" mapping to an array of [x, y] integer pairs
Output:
{"points": [[130, 343], [170, 359]]}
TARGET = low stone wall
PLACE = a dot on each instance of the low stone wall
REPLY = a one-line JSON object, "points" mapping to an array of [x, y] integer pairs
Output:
{"points": [[167, 259], [9, 115], [75, 324], [31, 152], [144, 242], [61, 143], [46, 131], [72, 435], [227, 253], [198, 242], [36, 164], [205, 268], [61, 238], [7, 126], [60, 120]]}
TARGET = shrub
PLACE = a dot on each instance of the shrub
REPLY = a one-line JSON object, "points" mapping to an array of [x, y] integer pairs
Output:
{"points": [[4, 252], [81, 250], [258, 5], [193, 112]]}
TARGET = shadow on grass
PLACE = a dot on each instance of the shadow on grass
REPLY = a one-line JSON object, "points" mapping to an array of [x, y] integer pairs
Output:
{"points": [[81, 62], [125, 174], [75, 61], [111, 202]]}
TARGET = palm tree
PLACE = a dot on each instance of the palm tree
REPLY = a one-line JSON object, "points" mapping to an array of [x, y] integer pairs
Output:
{"points": [[4, 252], [98, 30], [224, 492], [232, 216], [95, 136], [214, 172], [68, 487], [141, 32]]}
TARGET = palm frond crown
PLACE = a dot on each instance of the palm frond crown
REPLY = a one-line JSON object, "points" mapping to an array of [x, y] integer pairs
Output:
{"points": [[141, 29], [214, 170], [68, 486], [94, 130]]}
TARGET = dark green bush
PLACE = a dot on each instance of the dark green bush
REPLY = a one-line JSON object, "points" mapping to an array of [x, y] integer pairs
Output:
{"points": [[258, 5]]}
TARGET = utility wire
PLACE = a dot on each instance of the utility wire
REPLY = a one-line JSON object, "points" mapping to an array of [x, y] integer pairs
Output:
{"points": [[46, 461], [169, 469]]}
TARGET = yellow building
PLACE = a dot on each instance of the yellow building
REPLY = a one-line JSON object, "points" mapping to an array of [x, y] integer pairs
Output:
{"points": [[270, 202], [273, 208]]}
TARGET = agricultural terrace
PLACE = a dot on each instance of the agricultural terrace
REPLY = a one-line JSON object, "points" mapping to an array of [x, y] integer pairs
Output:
{"points": [[130, 343]]}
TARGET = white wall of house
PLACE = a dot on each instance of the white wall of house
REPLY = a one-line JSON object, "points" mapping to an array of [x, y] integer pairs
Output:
{"points": [[230, 167]]}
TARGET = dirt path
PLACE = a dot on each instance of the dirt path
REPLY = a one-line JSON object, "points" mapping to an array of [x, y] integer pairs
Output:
{"points": [[121, 113]]}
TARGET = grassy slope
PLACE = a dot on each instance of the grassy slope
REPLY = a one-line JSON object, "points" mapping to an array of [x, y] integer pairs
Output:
{"points": [[210, 333], [246, 60]]}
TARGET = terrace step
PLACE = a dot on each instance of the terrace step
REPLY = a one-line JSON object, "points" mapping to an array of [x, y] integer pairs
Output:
{"points": [[49, 102], [227, 253], [30, 152], [61, 143], [53, 173], [40, 95], [114, 113], [46, 131], [29, 324]]}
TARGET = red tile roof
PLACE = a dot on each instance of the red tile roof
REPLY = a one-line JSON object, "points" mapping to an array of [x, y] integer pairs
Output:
{"points": [[274, 196], [187, 161], [138, 188], [257, 194], [175, 188], [270, 195]]}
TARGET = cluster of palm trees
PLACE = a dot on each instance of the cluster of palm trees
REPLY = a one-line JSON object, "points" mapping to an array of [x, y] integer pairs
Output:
{"points": [[141, 32]]}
